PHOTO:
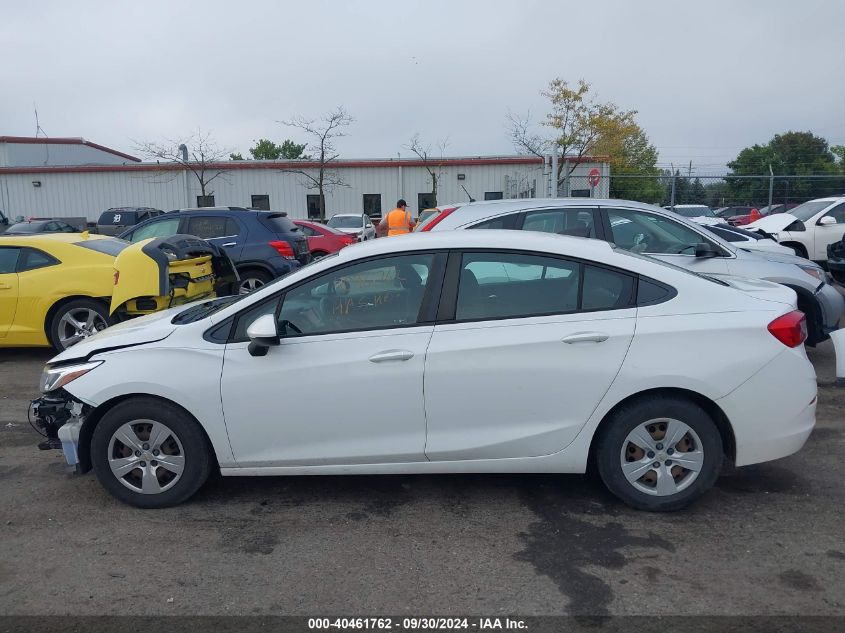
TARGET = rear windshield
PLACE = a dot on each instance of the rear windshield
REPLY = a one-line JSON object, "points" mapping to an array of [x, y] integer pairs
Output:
{"points": [[655, 260], [109, 247], [278, 223], [347, 222], [118, 217]]}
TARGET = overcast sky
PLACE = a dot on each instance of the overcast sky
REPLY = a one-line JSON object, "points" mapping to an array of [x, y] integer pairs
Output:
{"points": [[707, 78]]}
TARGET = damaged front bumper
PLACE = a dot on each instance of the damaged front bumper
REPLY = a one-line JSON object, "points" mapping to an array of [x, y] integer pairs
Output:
{"points": [[61, 417]]}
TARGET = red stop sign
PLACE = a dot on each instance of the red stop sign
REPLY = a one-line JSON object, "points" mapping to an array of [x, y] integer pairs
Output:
{"points": [[593, 177]]}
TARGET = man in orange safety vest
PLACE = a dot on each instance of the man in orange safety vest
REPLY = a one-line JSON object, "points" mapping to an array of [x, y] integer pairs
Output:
{"points": [[398, 221]]}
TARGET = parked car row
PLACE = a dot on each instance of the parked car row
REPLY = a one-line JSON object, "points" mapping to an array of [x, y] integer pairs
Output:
{"points": [[808, 228]]}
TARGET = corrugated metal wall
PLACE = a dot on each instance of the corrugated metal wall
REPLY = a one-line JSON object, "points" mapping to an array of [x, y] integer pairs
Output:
{"points": [[90, 193]]}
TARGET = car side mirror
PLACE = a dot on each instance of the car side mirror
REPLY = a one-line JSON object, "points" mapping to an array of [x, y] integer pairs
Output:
{"points": [[705, 249], [263, 334], [827, 220]]}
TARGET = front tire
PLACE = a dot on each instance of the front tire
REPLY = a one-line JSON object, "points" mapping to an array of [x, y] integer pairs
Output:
{"points": [[659, 453], [77, 320], [149, 453]]}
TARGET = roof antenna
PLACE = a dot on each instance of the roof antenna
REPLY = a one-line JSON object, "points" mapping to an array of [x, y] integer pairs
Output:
{"points": [[471, 199], [38, 127]]}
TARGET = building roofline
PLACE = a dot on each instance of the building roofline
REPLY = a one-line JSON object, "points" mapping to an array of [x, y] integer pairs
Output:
{"points": [[34, 140], [291, 165]]}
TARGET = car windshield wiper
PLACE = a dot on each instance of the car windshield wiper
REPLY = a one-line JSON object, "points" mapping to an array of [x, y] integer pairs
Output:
{"points": [[198, 312]]}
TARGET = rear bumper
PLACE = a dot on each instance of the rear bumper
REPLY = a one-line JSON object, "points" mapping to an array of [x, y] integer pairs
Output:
{"points": [[773, 413]]}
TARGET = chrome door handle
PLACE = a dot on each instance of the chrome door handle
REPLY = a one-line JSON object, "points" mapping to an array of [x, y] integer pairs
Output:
{"points": [[586, 337], [392, 354], [229, 244]]}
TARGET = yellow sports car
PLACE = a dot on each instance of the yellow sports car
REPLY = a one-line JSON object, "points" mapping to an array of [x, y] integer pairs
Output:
{"points": [[58, 289]]}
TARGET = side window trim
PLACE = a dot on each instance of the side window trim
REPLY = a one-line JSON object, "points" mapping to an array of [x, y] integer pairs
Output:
{"points": [[594, 211]]}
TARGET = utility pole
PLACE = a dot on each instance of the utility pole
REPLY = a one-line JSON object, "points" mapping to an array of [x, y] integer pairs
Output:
{"points": [[771, 186], [672, 199]]}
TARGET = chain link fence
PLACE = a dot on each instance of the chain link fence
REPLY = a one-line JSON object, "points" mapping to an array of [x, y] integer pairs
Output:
{"points": [[716, 191]]}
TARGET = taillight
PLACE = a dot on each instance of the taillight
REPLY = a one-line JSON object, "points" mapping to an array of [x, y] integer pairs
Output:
{"points": [[348, 240], [790, 329], [284, 249], [438, 218]]}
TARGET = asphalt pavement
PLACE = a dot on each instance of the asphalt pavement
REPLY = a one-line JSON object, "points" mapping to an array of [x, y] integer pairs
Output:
{"points": [[768, 540]]}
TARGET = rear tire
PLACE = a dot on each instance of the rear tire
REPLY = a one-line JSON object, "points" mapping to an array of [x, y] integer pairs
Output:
{"points": [[149, 453], [643, 450], [75, 321], [252, 279]]}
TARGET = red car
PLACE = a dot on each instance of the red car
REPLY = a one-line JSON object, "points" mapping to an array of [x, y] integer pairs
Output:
{"points": [[323, 240]]}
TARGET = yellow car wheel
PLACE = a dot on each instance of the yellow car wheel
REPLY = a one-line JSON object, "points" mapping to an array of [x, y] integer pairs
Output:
{"points": [[76, 320]]}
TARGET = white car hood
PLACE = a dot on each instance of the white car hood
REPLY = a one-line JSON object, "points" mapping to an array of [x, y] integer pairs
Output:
{"points": [[761, 289], [772, 223], [146, 329], [350, 231]]}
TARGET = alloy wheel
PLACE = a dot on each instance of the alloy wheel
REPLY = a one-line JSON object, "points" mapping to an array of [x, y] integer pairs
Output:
{"points": [[146, 456], [249, 284], [79, 324], [662, 457]]}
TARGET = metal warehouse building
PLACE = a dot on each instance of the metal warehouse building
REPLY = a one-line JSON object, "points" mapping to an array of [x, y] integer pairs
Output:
{"points": [[73, 177]]}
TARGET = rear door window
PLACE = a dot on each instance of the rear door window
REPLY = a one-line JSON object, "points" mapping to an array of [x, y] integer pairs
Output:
{"points": [[501, 222], [210, 227], [513, 285], [569, 221]]}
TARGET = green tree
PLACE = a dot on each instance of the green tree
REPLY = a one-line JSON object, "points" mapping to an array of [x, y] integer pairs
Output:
{"points": [[633, 161], [265, 149], [788, 154], [235, 156], [839, 153], [575, 125]]}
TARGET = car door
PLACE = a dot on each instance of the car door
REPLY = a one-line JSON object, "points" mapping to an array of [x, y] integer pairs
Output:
{"points": [[825, 234], [217, 229], [525, 347], [651, 234], [8, 287], [345, 383]]}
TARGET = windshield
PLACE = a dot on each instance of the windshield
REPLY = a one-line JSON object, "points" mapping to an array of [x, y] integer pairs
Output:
{"points": [[347, 222], [695, 211], [26, 227], [655, 260], [807, 210]]}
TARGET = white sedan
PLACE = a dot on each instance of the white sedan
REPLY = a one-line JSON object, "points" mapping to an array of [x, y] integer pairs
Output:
{"points": [[809, 228], [452, 352]]}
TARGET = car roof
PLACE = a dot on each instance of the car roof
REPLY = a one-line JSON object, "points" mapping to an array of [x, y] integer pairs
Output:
{"points": [[495, 239], [347, 215], [67, 238]]}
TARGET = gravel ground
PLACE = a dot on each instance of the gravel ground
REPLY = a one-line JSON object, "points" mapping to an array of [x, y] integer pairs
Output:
{"points": [[769, 539]]}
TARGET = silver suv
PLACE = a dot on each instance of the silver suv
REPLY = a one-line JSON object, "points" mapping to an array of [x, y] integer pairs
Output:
{"points": [[643, 228]]}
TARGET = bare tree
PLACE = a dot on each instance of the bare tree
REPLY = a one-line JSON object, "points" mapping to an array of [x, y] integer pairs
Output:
{"points": [[197, 153], [578, 122], [433, 164], [322, 132]]}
